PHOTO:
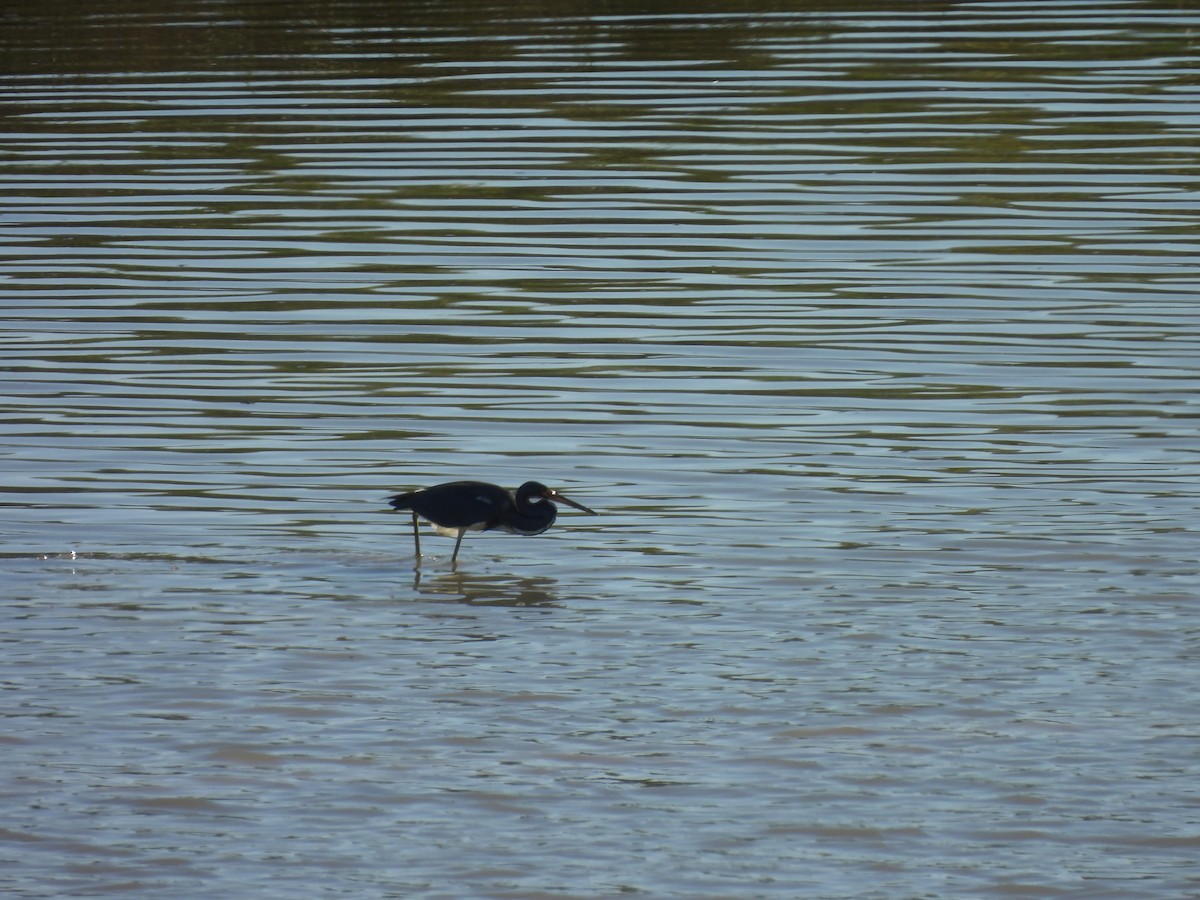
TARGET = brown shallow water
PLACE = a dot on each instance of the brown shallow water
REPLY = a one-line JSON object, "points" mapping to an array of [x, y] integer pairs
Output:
{"points": [[869, 328]]}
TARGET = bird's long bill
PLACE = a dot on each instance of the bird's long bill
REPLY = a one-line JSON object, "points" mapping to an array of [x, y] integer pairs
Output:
{"points": [[559, 498]]}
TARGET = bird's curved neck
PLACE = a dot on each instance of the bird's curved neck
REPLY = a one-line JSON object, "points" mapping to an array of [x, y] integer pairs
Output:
{"points": [[527, 517]]}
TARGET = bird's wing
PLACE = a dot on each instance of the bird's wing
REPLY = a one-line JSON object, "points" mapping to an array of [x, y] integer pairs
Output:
{"points": [[458, 504]]}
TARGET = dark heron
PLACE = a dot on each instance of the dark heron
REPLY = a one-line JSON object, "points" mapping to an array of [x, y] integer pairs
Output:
{"points": [[457, 507]]}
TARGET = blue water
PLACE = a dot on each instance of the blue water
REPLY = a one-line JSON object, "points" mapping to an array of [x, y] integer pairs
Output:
{"points": [[870, 332]]}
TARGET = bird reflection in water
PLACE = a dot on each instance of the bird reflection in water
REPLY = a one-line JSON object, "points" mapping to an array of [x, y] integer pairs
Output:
{"points": [[488, 590]]}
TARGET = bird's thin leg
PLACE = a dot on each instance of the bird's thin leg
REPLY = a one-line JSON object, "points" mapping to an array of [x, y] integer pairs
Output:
{"points": [[457, 544], [417, 538]]}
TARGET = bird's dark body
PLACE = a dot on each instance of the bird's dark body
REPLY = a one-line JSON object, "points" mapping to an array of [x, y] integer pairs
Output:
{"points": [[475, 506], [457, 507]]}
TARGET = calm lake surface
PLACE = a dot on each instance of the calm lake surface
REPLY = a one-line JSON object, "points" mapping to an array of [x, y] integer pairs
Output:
{"points": [[871, 329]]}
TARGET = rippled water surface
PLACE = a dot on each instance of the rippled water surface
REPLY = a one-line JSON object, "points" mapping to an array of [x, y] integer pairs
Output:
{"points": [[869, 329]]}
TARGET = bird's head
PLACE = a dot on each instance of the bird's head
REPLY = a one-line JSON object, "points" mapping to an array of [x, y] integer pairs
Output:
{"points": [[535, 491]]}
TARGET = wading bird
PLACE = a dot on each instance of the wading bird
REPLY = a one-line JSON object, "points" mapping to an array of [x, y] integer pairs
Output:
{"points": [[457, 507]]}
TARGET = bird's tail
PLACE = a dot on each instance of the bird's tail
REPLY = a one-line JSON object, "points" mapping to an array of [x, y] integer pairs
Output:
{"points": [[401, 501]]}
